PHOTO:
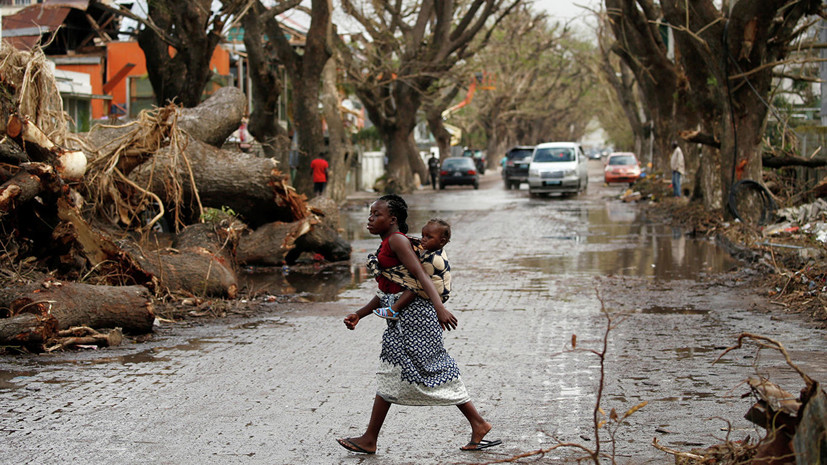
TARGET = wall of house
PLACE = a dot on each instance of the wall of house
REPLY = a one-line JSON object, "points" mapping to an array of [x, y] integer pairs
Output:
{"points": [[119, 54], [95, 72]]}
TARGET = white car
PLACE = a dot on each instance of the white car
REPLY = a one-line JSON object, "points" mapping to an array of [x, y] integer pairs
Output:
{"points": [[558, 167]]}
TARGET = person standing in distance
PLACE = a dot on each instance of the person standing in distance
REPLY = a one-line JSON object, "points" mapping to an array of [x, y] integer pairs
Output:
{"points": [[318, 168], [678, 169], [433, 169]]}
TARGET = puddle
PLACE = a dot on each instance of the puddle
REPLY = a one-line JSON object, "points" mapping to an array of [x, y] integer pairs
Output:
{"points": [[621, 242], [606, 237]]}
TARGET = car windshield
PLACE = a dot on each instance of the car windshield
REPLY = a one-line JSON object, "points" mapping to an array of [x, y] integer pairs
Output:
{"points": [[519, 154], [454, 163], [553, 154], [622, 160]]}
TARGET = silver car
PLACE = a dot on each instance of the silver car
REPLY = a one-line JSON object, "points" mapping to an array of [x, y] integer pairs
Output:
{"points": [[558, 167]]}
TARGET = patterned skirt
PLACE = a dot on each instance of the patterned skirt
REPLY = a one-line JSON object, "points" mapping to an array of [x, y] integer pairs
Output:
{"points": [[414, 367]]}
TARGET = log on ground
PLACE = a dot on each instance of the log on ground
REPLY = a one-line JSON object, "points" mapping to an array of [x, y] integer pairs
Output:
{"points": [[76, 304], [194, 270], [28, 330], [252, 187], [271, 243]]}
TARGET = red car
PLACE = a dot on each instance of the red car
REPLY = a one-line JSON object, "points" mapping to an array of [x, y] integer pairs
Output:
{"points": [[621, 167]]}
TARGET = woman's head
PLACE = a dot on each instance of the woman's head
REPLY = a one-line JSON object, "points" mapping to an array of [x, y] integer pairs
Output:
{"points": [[397, 207], [389, 213]]}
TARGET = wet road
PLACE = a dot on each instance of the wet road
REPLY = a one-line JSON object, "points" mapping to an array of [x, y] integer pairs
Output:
{"points": [[528, 273]]}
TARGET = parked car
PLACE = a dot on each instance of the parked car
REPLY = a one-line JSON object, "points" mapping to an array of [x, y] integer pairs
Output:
{"points": [[479, 158], [558, 167], [459, 171], [621, 167], [515, 169]]}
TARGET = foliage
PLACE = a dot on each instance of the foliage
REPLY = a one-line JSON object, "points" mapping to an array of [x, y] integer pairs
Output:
{"points": [[216, 215]]}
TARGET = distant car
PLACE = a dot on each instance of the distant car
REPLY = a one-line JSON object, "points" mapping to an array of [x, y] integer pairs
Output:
{"points": [[621, 167], [558, 167], [458, 171], [479, 159], [515, 170]]}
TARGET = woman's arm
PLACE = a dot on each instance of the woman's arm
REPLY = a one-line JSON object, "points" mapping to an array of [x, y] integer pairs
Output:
{"points": [[353, 319], [401, 246]]}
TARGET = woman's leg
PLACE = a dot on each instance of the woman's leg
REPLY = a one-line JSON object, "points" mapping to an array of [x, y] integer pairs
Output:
{"points": [[479, 427], [367, 441]]}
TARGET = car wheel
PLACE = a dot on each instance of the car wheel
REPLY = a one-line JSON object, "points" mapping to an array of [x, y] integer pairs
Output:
{"points": [[441, 186], [507, 184], [476, 185]]}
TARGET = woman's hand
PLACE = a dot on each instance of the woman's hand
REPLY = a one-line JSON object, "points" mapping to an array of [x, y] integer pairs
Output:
{"points": [[351, 321], [446, 319]]}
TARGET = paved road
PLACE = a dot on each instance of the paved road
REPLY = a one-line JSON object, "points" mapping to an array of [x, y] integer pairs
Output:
{"points": [[528, 273]]}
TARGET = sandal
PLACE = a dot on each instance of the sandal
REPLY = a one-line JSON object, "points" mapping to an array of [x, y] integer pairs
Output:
{"points": [[386, 313]]}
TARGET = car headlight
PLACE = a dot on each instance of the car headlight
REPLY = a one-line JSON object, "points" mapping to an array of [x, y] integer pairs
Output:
{"points": [[568, 173], [534, 173]]}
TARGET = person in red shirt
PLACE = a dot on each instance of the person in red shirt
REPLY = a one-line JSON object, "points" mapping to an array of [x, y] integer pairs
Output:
{"points": [[319, 169]]}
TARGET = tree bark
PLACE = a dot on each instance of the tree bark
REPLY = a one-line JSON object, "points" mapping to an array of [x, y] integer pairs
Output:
{"points": [[27, 330], [75, 304], [179, 75], [194, 270], [252, 187], [216, 118], [271, 243]]}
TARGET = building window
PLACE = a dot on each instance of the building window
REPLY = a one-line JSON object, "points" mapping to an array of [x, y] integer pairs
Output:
{"points": [[80, 112]]}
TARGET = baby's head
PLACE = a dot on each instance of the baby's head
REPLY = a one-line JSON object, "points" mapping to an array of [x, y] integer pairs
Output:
{"points": [[435, 234]]}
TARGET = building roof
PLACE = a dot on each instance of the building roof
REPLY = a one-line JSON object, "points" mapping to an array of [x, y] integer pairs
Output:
{"points": [[24, 29]]}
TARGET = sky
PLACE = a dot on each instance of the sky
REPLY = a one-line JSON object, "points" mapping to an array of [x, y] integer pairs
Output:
{"points": [[567, 9]]}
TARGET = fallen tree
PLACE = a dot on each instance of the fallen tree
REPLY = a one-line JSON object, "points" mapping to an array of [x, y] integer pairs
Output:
{"points": [[74, 219]]}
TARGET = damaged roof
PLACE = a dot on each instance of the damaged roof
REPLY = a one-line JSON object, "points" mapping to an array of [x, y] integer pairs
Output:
{"points": [[60, 26]]}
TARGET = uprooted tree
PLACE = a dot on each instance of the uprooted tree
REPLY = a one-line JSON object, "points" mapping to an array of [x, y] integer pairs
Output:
{"points": [[81, 207]]}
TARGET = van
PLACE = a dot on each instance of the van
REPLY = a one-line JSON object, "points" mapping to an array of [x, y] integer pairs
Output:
{"points": [[558, 167]]}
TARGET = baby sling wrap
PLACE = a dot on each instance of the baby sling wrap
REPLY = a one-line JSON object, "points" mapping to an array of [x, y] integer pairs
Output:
{"points": [[434, 262]]}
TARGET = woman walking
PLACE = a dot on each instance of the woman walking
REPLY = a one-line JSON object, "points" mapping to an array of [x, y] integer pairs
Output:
{"points": [[414, 367]]}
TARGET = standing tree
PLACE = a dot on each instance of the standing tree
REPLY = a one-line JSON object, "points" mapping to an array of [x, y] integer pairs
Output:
{"points": [[539, 83], [406, 48], [716, 92], [266, 81], [178, 39]]}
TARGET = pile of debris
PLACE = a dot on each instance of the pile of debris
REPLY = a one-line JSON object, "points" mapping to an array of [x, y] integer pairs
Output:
{"points": [[79, 212]]}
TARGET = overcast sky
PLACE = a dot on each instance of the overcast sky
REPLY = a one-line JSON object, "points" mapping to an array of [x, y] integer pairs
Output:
{"points": [[566, 9]]}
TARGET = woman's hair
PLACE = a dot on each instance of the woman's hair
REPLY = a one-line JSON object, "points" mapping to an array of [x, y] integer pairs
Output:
{"points": [[399, 208], [446, 227]]}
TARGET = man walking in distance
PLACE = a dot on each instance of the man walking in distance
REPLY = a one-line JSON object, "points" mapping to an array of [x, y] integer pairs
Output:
{"points": [[318, 167], [433, 169], [678, 169]]}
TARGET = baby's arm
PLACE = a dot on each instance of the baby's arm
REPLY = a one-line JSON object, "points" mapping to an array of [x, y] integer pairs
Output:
{"points": [[353, 319]]}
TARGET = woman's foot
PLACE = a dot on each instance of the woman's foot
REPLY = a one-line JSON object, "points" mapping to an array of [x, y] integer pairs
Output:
{"points": [[357, 445], [478, 433]]}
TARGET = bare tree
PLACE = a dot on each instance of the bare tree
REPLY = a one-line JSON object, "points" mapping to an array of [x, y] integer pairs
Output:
{"points": [[538, 83], [716, 91], [405, 49]]}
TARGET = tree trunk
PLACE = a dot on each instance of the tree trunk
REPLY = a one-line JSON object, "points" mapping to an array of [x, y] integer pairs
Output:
{"points": [[27, 330], [271, 243], [216, 118], [193, 270], [252, 187], [338, 146], [75, 304], [441, 135], [267, 85], [179, 75]]}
